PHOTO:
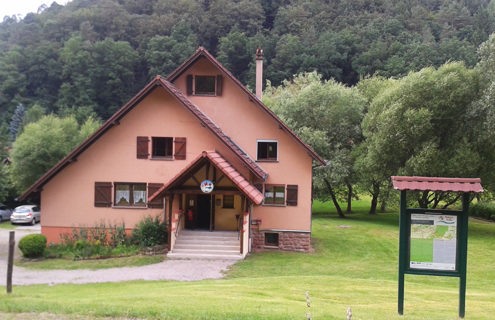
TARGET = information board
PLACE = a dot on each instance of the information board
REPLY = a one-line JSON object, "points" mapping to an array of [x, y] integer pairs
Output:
{"points": [[433, 242]]}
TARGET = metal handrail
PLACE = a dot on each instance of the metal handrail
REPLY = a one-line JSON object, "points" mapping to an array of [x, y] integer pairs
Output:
{"points": [[178, 224]]}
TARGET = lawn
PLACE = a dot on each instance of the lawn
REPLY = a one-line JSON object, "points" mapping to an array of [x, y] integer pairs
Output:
{"points": [[354, 264]]}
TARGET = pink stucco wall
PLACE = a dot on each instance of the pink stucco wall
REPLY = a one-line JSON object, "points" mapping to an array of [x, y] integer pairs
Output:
{"points": [[68, 199], [245, 123]]}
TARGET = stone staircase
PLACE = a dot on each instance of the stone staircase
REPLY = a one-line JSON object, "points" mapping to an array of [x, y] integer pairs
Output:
{"points": [[216, 245]]}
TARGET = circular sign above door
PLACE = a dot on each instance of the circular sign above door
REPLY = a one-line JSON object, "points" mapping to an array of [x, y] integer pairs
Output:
{"points": [[207, 186]]}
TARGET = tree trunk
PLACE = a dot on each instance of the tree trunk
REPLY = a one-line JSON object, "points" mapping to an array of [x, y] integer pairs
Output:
{"points": [[383, 203], [334, 199], [349, 198], [374, 199]]}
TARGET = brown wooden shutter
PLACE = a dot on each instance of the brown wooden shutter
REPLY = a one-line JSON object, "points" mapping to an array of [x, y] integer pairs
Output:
{"points": [[189, 84], [180, 148], [103, 194], [142, 147], [219, 84], [292, 195], [158, 201]]}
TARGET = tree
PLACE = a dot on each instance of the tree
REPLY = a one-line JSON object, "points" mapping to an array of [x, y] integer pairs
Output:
{"points": [[422, 125], [43, 144], [164, 53], [15, 125], [327, 115]]}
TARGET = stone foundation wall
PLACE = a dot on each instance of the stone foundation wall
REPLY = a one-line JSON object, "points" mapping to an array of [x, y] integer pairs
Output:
{"points": [[287, 241]]}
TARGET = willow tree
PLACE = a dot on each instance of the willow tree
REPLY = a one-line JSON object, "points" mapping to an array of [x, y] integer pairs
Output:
{"points": [[326, 115]]}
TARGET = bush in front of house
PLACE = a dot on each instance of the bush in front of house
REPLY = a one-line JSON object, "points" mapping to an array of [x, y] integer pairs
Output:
{"points": [[485, 210], [33, 245], [150, 232]]}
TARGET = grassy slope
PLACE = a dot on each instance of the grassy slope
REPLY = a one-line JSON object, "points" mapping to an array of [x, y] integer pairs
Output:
{"points": [[354, 266]]}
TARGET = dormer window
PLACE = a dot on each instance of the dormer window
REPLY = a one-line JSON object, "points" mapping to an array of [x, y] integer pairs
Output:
{"points": [[201, 85]]}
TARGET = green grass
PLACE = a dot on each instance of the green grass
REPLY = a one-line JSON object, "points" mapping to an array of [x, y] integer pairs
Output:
{"points": [[7, 225], [50, 264], [354, 267], [422, 250]]}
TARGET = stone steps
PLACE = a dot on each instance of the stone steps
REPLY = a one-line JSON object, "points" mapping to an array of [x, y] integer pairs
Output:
{"points": [[216, 245]]}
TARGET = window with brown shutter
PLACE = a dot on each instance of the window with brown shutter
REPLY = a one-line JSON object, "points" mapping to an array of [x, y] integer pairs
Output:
{"points": [[189, 84], [180, 148], [157, 202], [161, 147], [219, 85], [103, 194], [142, 147], [291, 195]]}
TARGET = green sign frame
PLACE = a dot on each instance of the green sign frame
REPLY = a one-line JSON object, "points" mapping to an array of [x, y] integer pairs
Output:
{"points": [[461, 248]]}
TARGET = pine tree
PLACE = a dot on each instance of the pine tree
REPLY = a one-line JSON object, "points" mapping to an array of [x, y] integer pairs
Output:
{"points": [[16, 122]]}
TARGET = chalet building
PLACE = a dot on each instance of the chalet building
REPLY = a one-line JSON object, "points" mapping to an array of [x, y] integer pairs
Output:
{"points": [[198, 149]]}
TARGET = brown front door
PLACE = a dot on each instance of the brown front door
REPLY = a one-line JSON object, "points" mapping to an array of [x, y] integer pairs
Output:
{"points": [[203, 211]]}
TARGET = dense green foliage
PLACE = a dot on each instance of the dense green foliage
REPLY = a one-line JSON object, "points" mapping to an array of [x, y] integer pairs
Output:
{"points": [[150, 232], [33, 245], [42, 144], [95, 55], [328, 116], [484, 210]]}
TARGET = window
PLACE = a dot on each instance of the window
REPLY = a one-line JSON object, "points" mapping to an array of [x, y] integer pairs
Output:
{"points": [[267, 150], [204, 85], [162, 147], [274, 195], [130, 194], [228, 201], [271, 239]]}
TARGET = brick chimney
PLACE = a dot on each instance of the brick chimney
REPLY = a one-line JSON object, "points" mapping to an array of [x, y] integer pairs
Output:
{"points": [[259, 72]]}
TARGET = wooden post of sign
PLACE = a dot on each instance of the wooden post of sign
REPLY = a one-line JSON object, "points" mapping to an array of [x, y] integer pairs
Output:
{"points": [[402, 250], [10, 261], [463, 243]]}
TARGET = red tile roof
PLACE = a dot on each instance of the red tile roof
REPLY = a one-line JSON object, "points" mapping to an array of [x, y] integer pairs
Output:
{"points": [[221, 164], [115, 118], [437, 184], [202, 52]]}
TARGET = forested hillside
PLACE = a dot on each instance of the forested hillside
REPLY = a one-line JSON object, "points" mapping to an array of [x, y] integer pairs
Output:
{"points": [[93, 55]]}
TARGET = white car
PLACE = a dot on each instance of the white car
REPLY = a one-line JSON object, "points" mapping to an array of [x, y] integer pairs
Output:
{"points": [[26, 214]]}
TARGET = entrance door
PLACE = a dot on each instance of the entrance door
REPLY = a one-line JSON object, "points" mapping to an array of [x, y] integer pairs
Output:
{"points": [[204, 211]]}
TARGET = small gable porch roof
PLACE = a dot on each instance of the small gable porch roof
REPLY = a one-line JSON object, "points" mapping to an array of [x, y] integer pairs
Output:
{"points": [[223, 166]]}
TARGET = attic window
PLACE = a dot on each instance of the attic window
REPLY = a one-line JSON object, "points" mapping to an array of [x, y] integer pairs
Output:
{"points": [[204, 85]]}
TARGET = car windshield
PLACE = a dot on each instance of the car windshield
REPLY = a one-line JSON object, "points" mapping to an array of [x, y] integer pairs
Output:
{"points": [[22, 210]]}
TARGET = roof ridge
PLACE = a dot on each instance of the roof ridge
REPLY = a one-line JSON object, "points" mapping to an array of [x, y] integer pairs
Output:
{"points": [[201, 51]]}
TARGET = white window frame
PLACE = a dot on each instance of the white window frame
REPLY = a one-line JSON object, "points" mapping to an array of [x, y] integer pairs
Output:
{"points": [[257, 145]]}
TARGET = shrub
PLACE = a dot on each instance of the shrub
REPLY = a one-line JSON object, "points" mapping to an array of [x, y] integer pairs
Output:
{"points": [[484, 210], [150, 232], [33, 245]]}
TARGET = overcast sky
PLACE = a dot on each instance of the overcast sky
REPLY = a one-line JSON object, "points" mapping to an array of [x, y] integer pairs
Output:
{"points": [[22, 7]]}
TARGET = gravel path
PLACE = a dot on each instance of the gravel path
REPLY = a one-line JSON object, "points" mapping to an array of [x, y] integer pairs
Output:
{"points": [[180, 270]]}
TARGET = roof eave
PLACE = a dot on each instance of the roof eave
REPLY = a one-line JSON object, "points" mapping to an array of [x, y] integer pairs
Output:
{"points": [[252, 97]]}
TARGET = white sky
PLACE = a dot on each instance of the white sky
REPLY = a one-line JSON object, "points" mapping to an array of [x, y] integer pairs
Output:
{"points": [[22, 7]]}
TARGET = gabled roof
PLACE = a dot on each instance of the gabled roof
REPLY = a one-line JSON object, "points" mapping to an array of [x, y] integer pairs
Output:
{"points": [[437, 184], [115, 118], [221, 164], [202, 52]]}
